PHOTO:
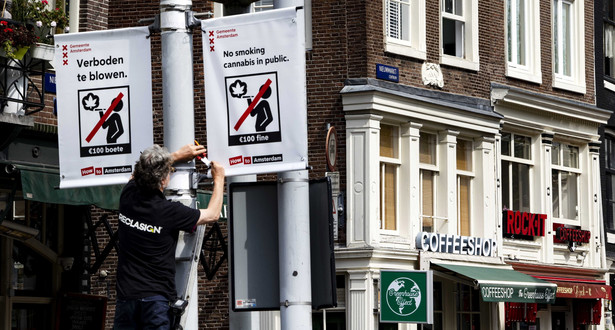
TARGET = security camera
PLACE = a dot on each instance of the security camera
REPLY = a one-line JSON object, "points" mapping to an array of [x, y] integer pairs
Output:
{"points": [[66, 263], [10, 169]]}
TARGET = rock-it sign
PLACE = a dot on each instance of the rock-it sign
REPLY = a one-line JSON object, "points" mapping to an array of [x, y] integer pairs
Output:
{"points": [[523, 225]]}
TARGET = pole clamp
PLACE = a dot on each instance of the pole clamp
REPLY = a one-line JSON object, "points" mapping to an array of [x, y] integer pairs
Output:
{"points": [[293, 180], [287, 303]]}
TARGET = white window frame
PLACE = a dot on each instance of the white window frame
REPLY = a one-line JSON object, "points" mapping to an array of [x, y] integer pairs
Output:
{"points": [[608, 31], [467, 174], [434, 168], [575, 82], [259, 6], [514, 159], [531, 70], [566, 169], [470, 60], [415, 45], [396, 162]]}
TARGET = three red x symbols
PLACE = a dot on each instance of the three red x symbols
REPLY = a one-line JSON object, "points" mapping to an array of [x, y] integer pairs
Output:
{"points": [[211, 41]]}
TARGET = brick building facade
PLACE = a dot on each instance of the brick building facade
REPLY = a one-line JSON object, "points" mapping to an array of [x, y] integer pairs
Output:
{"points": [[466, 134]]}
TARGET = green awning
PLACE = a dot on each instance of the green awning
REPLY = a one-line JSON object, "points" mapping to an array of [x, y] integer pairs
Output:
{"points": [[498, 284], [43, 187]]}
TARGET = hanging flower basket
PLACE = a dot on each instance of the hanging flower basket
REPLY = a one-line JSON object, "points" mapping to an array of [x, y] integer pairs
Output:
{"points": [[15, 53], [42, 51]]}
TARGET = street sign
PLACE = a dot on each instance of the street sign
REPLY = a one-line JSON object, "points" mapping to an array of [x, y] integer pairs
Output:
{"points": [[406, 296], [104, 104], [255, 86]]}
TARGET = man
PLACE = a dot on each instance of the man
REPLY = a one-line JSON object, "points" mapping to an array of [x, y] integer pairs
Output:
{"points": [[149, 225]]}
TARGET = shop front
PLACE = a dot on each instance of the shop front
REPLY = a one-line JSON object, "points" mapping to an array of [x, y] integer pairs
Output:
{"points": [[488, 296], [581, 295]]}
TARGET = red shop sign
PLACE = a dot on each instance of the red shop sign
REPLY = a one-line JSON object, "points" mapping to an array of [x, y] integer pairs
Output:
{"points": [[523, 225], [565, 234]]}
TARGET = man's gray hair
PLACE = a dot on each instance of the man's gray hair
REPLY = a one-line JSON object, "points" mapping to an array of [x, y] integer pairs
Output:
{"points": [[153, 166]]}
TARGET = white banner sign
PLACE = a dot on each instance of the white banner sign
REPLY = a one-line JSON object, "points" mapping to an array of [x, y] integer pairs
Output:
{"points": [[104, 101], [255, 91]]}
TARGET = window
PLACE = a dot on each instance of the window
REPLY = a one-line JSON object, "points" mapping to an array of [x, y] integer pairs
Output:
{"points": [[262, 5], [460, 33], [428, 173], [568, 45], [332, 318], [523, 39], [437, 309], [468, 307], [464, 183], [565, 181], [405, 27], [609, 39], [516, 166], [389, 168], [610, 181]]}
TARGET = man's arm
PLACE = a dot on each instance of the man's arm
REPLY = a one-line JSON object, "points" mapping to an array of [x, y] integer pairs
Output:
{"points": [[212, 212]]}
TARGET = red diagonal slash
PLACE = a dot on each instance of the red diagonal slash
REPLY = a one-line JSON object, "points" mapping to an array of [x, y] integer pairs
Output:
{"points": [[253, 104], [105, 116]]}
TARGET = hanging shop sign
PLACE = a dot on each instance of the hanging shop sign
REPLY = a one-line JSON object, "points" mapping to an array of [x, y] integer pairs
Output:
{"points": [[406, 296], [523, 225], [256, 91], [565, 234], [456, 244], [582, 290], [104, 102]]}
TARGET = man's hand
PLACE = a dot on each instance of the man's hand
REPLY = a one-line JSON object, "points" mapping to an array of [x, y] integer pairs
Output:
{"points": [[217, 171], [188, 152]]}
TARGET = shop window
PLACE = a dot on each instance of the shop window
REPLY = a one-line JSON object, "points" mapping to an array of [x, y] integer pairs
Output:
{"points": [[428, 176], [464, 187], [389, 173], [405, 27], [34, 279], [28, 316], [459, 33], [523, 36], [565, 181], [516, 167], [333, 318], [610, 181], [329, 319], [568, 45], [437, 309], [468, 307], [30, 275]]}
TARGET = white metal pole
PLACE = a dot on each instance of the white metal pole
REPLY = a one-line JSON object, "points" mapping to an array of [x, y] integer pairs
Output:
{"points": [[294, 237], [178, 116], [294, 242]]}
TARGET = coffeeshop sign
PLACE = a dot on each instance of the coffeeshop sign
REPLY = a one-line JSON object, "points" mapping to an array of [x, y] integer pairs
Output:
{"points": [[456, 244]]}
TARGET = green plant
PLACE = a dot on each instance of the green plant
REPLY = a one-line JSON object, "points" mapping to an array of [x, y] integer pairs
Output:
{"points": [[14, 37], [44, 20]]}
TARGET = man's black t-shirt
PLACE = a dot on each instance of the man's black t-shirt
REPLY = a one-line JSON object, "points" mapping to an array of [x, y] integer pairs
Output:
{"points": [[149, 225]]}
